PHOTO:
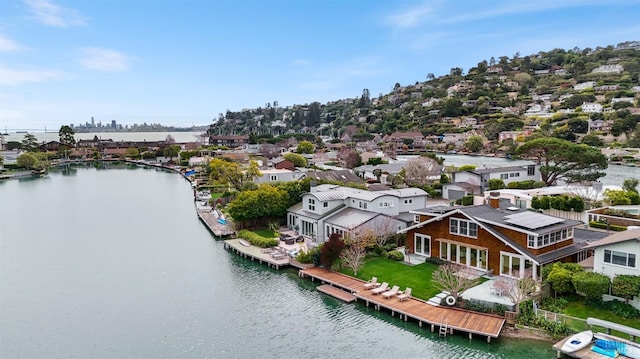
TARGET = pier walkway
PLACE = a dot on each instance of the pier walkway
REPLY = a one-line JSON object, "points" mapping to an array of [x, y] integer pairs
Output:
{"points": [[447, 319]]}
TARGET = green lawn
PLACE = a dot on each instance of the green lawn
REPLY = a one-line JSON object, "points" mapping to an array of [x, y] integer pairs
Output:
{"points": [[578, 309], [267, 233], [417, 277]]}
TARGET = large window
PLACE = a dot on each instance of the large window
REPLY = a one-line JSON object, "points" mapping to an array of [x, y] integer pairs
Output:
{"points": [[620, 258], [422, 244], [543, 240], [466, 256], [463, 227]]}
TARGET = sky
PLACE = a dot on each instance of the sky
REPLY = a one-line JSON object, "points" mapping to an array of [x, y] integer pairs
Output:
{"points": [[183, 62]]}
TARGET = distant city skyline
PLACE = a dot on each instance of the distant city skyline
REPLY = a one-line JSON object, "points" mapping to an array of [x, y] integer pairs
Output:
{"points": [[181, 64]]}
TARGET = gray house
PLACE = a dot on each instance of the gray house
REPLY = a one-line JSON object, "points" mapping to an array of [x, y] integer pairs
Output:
{"points": [[329, 209]]}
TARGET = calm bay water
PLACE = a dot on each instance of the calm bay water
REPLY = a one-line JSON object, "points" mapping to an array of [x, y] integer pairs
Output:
{"points": [[113, 263]]}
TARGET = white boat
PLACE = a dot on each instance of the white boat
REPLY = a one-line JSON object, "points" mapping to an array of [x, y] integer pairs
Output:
{"points": [[577, 342]]}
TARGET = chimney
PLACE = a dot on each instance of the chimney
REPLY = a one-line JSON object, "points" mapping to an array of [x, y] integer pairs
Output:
{"points": [[494, 199], [313, 186]]}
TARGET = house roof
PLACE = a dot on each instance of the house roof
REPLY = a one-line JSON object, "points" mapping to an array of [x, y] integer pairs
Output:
{"points": [[329, 193], [350, 217], [488, 217], [498, 169], [619, 237], [344, 176]]}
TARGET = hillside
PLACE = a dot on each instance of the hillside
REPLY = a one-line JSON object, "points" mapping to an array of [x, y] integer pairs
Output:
{"points": [[562, 93]]}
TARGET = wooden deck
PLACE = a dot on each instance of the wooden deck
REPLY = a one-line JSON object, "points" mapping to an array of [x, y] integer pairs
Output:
{"points": [[218, 229], [337, 293], [449, 318], [255, 253]]}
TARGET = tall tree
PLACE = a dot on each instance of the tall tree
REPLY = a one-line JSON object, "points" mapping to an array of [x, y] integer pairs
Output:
{"points": [[563, 160], [30, 143], [313, 117], [66, 135]]}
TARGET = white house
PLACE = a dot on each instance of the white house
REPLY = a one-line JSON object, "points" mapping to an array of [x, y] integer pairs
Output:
{"points": [[278, 175], [584, 85], [477, 181], [329, 209], [591, 107], [608, 69], [616, 254]]}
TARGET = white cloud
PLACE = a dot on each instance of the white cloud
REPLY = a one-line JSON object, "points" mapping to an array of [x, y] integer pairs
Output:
{"points": [[442, 12], [8, 45], [48, 13], [16, 77], [411, 17], [95, 58]]}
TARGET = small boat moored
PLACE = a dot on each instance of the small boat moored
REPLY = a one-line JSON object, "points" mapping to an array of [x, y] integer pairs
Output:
{"points": [[577, 341]]}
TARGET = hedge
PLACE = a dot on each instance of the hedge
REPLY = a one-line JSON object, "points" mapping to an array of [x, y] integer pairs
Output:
{"points": [[257, 240], [612, 227]]}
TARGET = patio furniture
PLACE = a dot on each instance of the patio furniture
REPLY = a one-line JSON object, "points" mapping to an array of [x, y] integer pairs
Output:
{"points": [[382, 288], [405, 295], [373, 282], [390, 293]]}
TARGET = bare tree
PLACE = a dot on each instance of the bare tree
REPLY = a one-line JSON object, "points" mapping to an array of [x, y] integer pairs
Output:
{"points": [[454, 278], [517, 290], [419, 171], [384, 230], [355, 249]]}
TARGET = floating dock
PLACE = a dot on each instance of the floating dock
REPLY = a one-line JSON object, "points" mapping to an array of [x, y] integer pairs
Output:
{"points": [[336, 293]]}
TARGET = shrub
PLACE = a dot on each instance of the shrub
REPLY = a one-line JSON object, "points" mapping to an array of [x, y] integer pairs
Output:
{"points": [[257, 240], [626, 286], [554, 304], [304, 257], [622, 309], [395, 256], [591, 284], [331, 249]]}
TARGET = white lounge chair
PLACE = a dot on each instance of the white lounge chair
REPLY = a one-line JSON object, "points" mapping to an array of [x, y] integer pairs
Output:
{"points": [[405, 295], [382, 288], [372, 283], [390, 293]]}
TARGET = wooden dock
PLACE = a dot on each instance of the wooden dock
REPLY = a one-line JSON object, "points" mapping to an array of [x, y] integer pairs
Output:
{"points": [[218, 229], [336, 292], [445, 318], [256, 254]]}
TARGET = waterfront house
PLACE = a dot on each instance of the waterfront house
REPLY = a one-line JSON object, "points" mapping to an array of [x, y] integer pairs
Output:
{"points": [[477, 181], [496, 237], [329, 209], [614, 255]]}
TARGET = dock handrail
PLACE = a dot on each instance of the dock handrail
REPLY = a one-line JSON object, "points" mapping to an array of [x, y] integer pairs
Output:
{"points": [[615, 326]]}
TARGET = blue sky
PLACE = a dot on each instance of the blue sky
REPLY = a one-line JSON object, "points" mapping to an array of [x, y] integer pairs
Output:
{"points": [[181, 62]]}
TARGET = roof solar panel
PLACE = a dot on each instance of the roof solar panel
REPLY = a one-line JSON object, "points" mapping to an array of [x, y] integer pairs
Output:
{"points": [[532, 220]]}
